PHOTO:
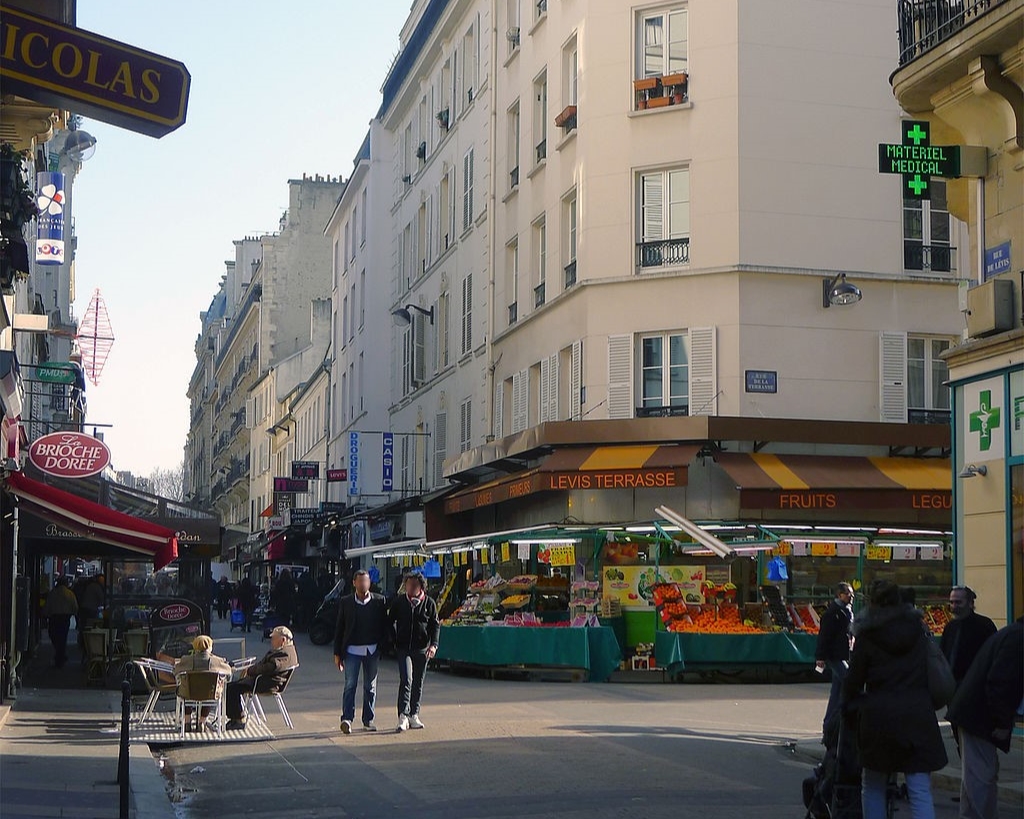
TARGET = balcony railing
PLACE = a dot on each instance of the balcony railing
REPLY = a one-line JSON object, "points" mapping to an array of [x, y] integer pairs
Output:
{"points": [[542, 150], [662, 412], [663, 252], [928, 416], [924, 24], [513, 313], [513, 177], [538, 295], [570, 274], [938, 258]]}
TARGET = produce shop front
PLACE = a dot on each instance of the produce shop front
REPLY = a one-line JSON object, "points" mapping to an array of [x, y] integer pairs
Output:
{"points": [[744, 585]]}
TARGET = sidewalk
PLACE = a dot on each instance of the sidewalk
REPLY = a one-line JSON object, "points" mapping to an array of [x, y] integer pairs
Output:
{"points": [[1011, 767], [59, 752]]}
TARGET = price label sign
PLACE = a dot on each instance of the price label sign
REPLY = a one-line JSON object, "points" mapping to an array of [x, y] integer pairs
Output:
{"points": [[782, 549], [879, 553], [904, 553], [558, 555], [823, 550], [505, 556]]}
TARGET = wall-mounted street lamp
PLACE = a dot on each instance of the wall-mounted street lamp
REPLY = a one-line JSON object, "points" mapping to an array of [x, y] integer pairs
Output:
{"points": [[971, 470], [403, 318], [839, 291]]}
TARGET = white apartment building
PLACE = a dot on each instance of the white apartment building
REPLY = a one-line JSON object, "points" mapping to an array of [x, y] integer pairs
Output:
{"points": [[676, 183], [436, 110]]}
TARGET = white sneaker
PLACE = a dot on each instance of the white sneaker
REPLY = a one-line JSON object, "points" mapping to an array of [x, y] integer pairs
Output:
{"points": [[369, 726], [346, 726], [416, 722], [403, 723]]}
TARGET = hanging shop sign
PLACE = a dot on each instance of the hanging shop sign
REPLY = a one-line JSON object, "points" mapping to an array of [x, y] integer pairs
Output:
{"points": [[917, 160], [50, 200], [558, 554], [301, 516], [337, 475], [92, 75], [306, 469], [57, 372], [388, 462], [69, 454], [353, 464], [291, 485]]}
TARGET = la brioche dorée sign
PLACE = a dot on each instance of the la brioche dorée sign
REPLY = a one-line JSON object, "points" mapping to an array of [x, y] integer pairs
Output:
{"points": [[69, 454]]}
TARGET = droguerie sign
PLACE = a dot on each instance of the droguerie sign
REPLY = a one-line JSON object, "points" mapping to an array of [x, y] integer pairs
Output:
{"points": [[69, 454]]}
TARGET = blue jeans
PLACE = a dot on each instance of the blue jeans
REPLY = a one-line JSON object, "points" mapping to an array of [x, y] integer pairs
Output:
{"points": [[411, 669], [839, 671], [368, 663], [919, 789]]}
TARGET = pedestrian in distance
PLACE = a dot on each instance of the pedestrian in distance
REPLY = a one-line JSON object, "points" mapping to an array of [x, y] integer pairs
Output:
{"points": [[361, 634], [983, 710], [885, 695], [265, 677], [247, 601], [833, 648], [223, 597], [59, 608], [413, 617], [282, 597]]}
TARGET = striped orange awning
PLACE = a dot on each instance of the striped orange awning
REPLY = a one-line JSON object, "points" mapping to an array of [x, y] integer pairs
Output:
{"points": [[761, 471], [585, 468]]}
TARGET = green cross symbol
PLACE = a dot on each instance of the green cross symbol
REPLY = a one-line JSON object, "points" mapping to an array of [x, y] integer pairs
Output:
{"points": [[917, 184], [984, 419], [917, 134]]}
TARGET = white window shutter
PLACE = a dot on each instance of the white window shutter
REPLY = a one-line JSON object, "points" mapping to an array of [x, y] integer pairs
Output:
{"points": [[553, 387], [620, 376], [703, 371], [434, 348], [520, 401], [467, 314], [440, 446], [653, 206], [419, 350], [545, 387], [250, 413], [498, 412], [892, 368], [576, 382]]}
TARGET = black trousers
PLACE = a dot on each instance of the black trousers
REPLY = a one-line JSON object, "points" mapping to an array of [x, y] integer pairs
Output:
{"points": [[235, 690], [58, 627]]}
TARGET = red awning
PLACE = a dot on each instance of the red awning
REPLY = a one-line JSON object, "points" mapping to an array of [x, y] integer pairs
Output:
{"points": [[275, 546], [94, 521]]}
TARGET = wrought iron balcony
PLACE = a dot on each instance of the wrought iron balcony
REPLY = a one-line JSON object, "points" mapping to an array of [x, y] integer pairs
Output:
{"points": [[663, 252], [928, 416], [938, 258], [924, 24], [514, 177], [662, 412], [538, 295], [513, 313], [570, 274], [542, 150]]}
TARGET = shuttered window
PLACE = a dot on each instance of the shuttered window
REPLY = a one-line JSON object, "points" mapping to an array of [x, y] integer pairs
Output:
{"points": [[576, 382], [892, 368], [440, 446], [466, 425], [498, 411], [467, 314], [549, 389], [620, 376], [467, 190], [520, 401], [703, 371]]}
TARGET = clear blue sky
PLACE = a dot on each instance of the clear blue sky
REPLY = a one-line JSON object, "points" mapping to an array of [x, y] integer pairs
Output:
{"points": [[278, 90]]}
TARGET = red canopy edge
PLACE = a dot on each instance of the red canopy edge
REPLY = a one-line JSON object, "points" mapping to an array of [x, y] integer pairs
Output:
{"points": [[95, 521]]}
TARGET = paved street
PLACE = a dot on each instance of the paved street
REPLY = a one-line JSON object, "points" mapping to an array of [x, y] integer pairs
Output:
{"points": [[510, 749]]}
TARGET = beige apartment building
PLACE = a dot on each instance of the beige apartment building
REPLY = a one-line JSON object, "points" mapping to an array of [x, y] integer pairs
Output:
{"points": [[961, 70]]}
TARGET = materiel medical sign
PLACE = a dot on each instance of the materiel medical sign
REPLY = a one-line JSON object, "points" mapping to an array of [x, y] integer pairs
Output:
{"points": [[917, 160]]}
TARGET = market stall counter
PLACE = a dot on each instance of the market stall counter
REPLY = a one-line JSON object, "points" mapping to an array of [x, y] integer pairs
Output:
{"points": [[679, 652], [593, 650]]}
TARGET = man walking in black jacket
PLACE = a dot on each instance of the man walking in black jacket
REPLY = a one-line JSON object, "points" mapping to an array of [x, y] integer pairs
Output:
{"points": [[964, 635], [359, 637], [833, 647], [983, 709], [413, 616]]}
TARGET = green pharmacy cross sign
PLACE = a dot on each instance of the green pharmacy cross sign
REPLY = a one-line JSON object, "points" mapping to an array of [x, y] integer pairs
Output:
{"points": [[917, 160], [984, 420]]}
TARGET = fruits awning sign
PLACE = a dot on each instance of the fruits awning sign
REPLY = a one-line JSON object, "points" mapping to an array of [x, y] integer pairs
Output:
{"points": [[558, 555]]}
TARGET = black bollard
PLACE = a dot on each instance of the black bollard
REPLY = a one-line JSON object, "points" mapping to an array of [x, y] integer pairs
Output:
{"points": [[122, 759]]}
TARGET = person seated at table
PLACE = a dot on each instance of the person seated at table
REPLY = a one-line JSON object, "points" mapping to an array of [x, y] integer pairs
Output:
{"points": [[265, 677], [202, 658]]}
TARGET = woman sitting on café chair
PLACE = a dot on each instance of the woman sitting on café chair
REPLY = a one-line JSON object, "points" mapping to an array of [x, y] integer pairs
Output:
{"points": [[202, 659]]}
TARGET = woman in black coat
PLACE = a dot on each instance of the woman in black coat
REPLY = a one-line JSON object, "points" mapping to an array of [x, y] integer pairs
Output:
{"points": [[886, 694]]}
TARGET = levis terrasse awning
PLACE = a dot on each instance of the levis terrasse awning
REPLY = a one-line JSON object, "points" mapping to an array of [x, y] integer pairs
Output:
{"points": [[586, 468], [93, 521], [807, 482]]}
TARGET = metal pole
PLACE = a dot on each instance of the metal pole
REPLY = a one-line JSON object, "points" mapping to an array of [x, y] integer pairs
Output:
{"points": [[122, 758], [12, 650]]}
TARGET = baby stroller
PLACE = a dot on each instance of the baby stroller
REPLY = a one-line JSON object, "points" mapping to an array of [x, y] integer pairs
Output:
{"points": [[832, 791], [237, 616]]}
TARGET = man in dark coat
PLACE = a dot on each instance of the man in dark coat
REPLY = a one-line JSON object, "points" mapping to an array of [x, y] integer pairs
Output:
{"points": [[964, 635], [360, 635], [266, 676], [833, 647], [413, 616], [59, 608], [983, 709], [897, 730]]}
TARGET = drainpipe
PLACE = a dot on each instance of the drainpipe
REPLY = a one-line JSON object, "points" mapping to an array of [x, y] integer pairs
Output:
{"points": [[492, 237], [980, 254]]}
